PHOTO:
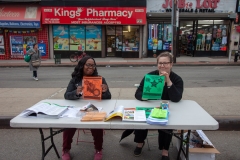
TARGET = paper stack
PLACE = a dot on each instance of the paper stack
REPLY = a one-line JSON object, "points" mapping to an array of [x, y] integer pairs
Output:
{"points": [[158, 116]]}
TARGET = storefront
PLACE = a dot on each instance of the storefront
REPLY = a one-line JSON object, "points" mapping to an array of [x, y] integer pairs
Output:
{"points": [[100, 31], [20, 28], [204, 27]]}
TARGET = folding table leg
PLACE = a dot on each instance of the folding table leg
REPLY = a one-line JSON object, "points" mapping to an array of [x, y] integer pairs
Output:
{"points": [[52, 133], [187, 145], [181, 144]]}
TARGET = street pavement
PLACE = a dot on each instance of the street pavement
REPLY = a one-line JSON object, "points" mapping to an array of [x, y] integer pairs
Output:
{"points": [[220, 102]]}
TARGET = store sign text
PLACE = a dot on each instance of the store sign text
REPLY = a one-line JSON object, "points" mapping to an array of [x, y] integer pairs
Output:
{"points": [[199, 4], [93, 15], [8, 13]]}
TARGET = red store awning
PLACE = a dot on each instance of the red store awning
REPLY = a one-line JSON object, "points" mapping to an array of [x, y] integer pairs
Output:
{"points": [[20, 16]]}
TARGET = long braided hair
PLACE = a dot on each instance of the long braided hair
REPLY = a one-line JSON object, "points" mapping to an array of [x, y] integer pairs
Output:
{"points": [[78, 70]]}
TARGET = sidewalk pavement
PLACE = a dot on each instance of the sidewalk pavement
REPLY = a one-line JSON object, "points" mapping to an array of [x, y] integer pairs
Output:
{"points": [[120, 62]]}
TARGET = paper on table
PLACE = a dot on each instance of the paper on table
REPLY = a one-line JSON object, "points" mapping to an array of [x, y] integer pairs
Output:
{"points": [[71, 112]]}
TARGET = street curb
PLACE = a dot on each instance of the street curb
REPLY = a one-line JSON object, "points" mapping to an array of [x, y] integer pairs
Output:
{"points": [[124, 65], [226, 123]]}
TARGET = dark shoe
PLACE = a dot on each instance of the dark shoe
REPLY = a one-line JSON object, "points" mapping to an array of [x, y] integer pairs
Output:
{"points": [[138, 150], [165, 158]]}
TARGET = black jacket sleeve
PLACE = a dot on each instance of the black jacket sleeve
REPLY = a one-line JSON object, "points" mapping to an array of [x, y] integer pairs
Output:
{"points": [[71, 91], [176, 90], [107, 94]]}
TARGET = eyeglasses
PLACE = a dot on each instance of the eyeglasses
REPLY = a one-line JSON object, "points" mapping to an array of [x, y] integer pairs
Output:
{"points": [[90, 65], [163, 63]]}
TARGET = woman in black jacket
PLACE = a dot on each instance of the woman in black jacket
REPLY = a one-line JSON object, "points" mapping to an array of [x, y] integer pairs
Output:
{"points": [[86, 67], [172, 90]]}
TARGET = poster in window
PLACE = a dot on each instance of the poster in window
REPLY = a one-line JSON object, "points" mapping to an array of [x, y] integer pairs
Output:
{"points": [[42, 49], [16, 44], [1, 40], [160, 44], [60, 37], [93, 38], [28, 42], [2, 49], [77, 37]]}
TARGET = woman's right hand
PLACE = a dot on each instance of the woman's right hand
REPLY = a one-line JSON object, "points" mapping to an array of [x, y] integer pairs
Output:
{"points": [[79, 90]]}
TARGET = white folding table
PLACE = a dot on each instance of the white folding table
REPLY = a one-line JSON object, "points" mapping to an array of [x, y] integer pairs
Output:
{"points": [[184, 115]]}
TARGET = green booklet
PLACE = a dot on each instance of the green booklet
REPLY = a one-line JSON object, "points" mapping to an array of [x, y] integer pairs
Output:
{"points": [[146, 109], [153, 87]]}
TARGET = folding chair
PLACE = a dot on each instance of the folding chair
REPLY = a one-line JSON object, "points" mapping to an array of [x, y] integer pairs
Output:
{"points": [[85, 132]]}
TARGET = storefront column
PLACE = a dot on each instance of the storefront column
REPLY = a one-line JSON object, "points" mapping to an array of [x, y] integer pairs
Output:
{"points": [[103, 54], [144, 52], [141, 42], [51, 56]]}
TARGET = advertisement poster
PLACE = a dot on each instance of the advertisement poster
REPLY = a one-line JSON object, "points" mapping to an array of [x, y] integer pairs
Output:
{"points": [[28, 43], [60, 37], [160, 44], [2, 50], [93, 38], [42, 48], [77, 37], [1, 40], [16, 45]]}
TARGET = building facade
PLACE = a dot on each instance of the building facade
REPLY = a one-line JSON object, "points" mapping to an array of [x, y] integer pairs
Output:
{"points": [[20, 28], [111, 28], [204, 27]]}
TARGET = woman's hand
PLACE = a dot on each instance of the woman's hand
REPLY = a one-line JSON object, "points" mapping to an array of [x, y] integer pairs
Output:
{"points": [[167, 79], [104, 87], [79, 90]]}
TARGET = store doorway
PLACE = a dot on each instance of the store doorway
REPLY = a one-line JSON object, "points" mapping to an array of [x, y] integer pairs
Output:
{"points": [[186, 38], [111, 45]]}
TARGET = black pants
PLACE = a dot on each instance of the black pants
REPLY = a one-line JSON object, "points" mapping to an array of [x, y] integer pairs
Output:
{"points": [[164, 139], [34, 73]]}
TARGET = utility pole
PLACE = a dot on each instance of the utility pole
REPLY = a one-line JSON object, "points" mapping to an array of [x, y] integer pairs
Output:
{"points": [[174, 30]]}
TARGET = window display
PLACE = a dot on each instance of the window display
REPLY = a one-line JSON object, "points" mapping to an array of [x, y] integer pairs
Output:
{"points": [[2, 49], [16, 44], [219, 38], [131, 38], [61, 37], [93, 38], [28, 42], [159, 36], [77, 37]]}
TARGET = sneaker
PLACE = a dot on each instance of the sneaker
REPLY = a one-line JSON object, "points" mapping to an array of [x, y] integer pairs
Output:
{"points": [[138, 150], [36, 78], [66, 155], [98, 155]]}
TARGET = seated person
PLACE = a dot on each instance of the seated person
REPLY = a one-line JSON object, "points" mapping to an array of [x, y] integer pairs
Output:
{"points": [[172, 90], [86, 67]]}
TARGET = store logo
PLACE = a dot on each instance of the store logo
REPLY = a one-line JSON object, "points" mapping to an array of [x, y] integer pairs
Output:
{"points": [[8, 13], [70, 13], [110, 13]]}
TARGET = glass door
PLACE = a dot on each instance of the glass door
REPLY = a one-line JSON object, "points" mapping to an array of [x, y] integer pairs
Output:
{"points": [[111, 45]]}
